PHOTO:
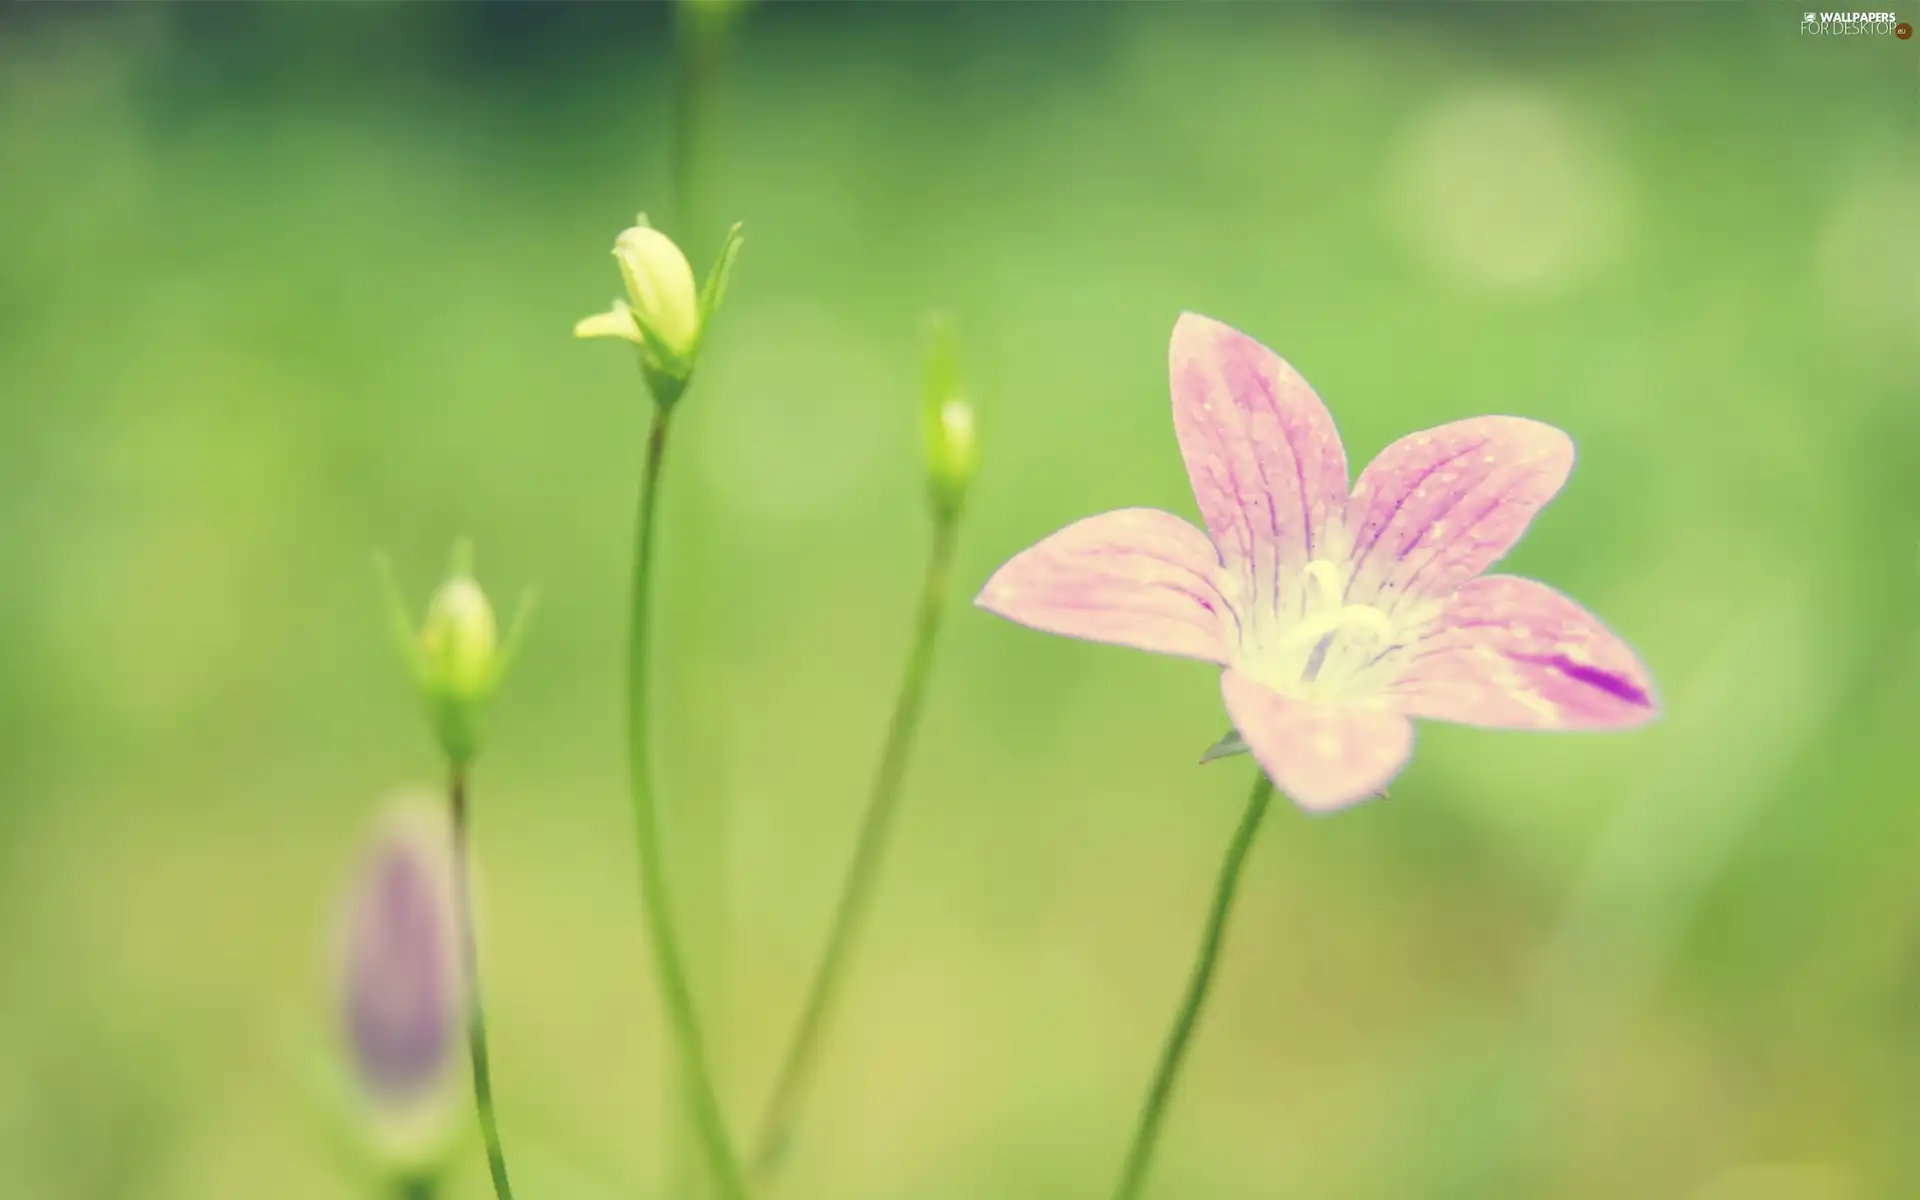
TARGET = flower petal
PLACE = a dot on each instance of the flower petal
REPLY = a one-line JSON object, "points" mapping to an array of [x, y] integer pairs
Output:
{"points": [[615, 322], [1514, 654], [1268, 470], [1322, 756], [1136, 577], [1438, 507]]}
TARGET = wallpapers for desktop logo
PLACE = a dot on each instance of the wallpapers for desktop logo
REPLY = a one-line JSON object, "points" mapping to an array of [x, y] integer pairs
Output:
{"points": [[1853, 24]]}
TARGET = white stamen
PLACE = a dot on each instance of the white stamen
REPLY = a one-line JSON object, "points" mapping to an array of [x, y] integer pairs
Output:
{"points": [[1325, 577]]}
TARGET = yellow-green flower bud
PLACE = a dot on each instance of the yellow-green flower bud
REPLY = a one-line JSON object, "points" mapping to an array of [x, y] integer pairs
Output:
{"points": [[660, 289], [953, 445], [953, 453], [664, 313], [459, 641], [457, 655]]}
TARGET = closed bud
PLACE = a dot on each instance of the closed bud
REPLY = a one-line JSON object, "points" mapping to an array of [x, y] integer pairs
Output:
{"points": [[665, 313], [400, 993], [661, 294], [952, 442], [457, 655], [953, 453], [459, 642]]}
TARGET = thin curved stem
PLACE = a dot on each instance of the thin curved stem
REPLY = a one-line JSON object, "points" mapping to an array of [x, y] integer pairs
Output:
{"points": [[1147, 1133], [782, 1115], [423, 1186], [669, 960], [694, 69], [703, 821], [476, 1014]]}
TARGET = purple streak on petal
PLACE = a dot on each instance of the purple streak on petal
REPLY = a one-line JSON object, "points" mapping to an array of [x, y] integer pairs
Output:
{"points": [[1137, 577], [1437, 508], [1266, 463], [400, 992], [1375, 518], [1322, 756], [1617, 686], [1510, 653]]}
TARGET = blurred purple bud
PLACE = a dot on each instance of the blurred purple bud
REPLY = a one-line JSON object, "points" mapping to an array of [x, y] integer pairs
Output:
{"points": [[400, 988]]}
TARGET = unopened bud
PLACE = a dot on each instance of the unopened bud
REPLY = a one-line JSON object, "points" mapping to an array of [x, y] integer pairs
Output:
{"points": [[457, 655], [401, 996], [661, 291], [401, 989], [459, 642], [953, 453], [952, 441], [665, 313]]}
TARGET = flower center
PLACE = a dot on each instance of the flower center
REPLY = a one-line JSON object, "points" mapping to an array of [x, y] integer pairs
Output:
{"points": [[1331, 650]]}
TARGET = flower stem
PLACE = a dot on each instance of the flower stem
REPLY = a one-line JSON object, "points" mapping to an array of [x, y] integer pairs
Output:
{"points": [[701, 815], [669, 961], [422, 1186], [476, 1014], [697, 53], [1140, 1155], [796, 1071]]}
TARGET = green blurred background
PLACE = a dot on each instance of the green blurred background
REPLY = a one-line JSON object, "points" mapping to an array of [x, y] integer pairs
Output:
{"points": [[284, 284]]}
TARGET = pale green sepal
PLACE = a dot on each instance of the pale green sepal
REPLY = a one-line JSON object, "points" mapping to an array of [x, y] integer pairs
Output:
{"points": [[399, 623], [714, 290], [1226, 747], [516, 633], [666, 386], [1231, 744]]}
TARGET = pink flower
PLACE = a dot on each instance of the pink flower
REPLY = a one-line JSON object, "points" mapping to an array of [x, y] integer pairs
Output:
{"points": [[401, 994], [1339, 615]]}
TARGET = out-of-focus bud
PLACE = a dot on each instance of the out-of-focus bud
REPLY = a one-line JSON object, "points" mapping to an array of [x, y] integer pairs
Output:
{"points": [[952, 442], [459, 643], [400, 992], [457, 656], [661, 291], [707, 22], [665, 314]]}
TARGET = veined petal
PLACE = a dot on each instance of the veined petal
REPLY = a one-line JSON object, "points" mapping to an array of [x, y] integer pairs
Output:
{"points": [[1510, 653], [1136, 577], [615, 322], [1268, 470], [1324, 757], [1438, 507]]}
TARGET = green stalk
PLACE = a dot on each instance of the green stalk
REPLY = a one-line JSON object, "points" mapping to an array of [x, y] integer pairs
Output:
{"points": [[476, 1015], [700, 811], [796, 1072], [1140, 1156], [669, 961], [423, 1186], [696, 67]]}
